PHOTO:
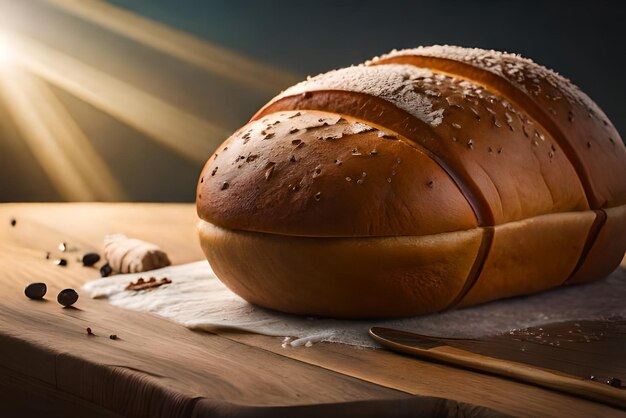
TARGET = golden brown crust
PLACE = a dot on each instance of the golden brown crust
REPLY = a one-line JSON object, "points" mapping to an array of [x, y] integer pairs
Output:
{"points": [[395, 276], [531, 255], [342, 277], [606, 249], [508, 167], [316, 174], [590, 141]]}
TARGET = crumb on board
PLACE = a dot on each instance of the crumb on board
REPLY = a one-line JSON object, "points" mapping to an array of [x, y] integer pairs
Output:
{"points": [[142, 284]]}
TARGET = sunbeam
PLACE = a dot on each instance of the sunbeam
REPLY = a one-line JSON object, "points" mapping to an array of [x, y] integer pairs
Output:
{"points": [[19, 101], [75, 144], [211, 57], [6, 51], [184, 133]]}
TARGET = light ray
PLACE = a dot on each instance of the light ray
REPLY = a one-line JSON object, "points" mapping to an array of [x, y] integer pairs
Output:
{"points": [[184, 133], [6, 52], [204, 54], [75, 144], [62, 173]]}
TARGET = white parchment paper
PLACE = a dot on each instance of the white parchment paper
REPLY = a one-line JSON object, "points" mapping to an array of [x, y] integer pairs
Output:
{"points": [[198, 300]]}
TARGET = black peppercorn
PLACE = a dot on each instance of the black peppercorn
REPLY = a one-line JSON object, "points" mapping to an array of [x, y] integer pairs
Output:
{"points": [[67, 297], [106, 270], [90, 259], [35, 290]]}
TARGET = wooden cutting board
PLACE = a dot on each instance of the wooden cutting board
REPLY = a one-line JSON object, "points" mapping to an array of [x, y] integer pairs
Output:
{"points": [[157, 368], [584, 358]]}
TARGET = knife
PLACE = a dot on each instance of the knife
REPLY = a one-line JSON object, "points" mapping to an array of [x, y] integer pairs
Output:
{"points": [[434, 348]]}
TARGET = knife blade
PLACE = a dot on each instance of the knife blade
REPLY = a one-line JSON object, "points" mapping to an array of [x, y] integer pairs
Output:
{"points": [[439, 349]]}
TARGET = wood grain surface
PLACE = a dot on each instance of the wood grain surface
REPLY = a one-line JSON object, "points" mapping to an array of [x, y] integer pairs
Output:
{"points": [[157, 368]]}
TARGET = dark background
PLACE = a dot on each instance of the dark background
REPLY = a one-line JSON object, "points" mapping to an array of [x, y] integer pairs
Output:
{"points": [[584, 41]]}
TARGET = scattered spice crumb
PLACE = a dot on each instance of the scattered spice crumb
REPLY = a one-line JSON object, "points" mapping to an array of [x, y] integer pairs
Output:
{"points": [[113, 336], [89, 332], [286, 342], [13, 222], [142, 284], [62, 262], [383, 134], [308, 344]]}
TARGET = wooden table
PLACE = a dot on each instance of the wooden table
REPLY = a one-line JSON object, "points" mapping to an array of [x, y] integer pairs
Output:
{"points": [[49, 365]]}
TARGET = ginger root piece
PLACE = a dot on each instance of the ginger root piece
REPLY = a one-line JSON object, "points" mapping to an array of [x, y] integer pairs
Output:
{"points": [[129, 255]]}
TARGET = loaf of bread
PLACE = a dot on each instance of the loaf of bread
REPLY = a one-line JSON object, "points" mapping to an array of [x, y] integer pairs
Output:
{"points": [[423, 180]]}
